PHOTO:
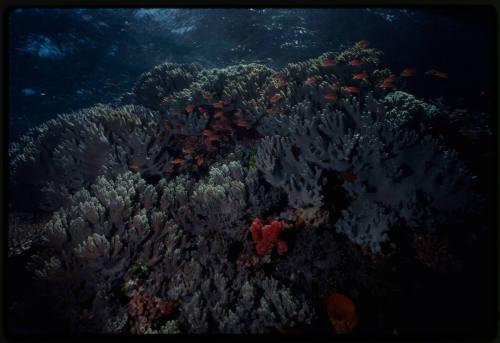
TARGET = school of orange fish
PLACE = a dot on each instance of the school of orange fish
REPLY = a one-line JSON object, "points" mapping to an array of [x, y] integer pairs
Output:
{"points": [[222, 128]]}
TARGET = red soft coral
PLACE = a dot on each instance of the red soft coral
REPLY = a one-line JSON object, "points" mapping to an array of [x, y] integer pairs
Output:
{"points": [[266, 236]]}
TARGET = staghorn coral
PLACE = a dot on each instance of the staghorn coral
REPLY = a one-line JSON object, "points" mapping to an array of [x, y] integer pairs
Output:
{"points": [[70, 152]]}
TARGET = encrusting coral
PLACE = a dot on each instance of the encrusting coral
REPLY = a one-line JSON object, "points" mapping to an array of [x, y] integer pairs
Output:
{"points": [[172, 181]]}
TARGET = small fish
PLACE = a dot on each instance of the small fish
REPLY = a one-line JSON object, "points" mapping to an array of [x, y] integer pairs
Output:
{"points": [[207, 132], [200, 108], [275, 97], [175, 111], [207, 96], [218, 105], [169, 170], [199, 160], [189, 108], [271, 110], [441, 74], [177, 161], [310, 80], [277, 77], [390, 79], [181, 130], [347, 175], [360, 76], [430, 72], [330, 96], [281, 83], [242, 123], [133, 166], [408, 72], [218, 114], [214, 138], [354, 62], [227, 102], [223, 118], [362, 43], [327, 63], [238, 114], [181, 167], [169, 98], [187, 150], [176, 123], [386, 85], [217, 126], [228, 127], [351, 89], [334, 86], [168, 127]]}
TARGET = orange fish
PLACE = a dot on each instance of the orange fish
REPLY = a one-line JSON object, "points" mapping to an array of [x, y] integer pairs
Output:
{"points": [[207, 96], [390, 79], [362, 43], [354, 62], [181, 167], [281, 83], [275, 97], [271, 110], [218, 105], [181, 130], [386, 85], [133, 166], [217, 126], [330, 96], [227, 102], [334, 86], [237, 114], [360, 76], [310, 80], [223, 118], [242, 123], [200, 108], [408, 72], [430, 72], [199, 160], [347, 175], [278, 77], [175, 111], [169, 170], [351, 89], [214, 138], [170, 98], [176, 123], [218, 114], [207, 132], [441, 74], [187, 150], [168, 127], [177, 161], [189, 108], [328, 63]]}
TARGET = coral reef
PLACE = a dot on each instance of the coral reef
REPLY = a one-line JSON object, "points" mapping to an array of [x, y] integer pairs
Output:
{"points": [[154, 200]]}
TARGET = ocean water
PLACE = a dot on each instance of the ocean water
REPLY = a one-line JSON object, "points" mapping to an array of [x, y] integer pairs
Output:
{"points": [[145, 142]]}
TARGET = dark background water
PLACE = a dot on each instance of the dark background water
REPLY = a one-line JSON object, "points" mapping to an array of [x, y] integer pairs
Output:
{"points": [[61, 60]]}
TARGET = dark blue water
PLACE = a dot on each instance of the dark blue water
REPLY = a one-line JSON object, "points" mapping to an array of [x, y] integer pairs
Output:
{"points": [[61, 60]]}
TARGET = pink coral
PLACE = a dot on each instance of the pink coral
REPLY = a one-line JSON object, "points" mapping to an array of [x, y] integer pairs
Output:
{"points": [[145, 312]]}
